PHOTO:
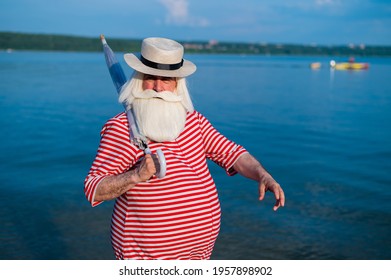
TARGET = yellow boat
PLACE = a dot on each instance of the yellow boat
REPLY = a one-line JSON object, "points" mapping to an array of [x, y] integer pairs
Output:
{"points": [[349, 65]]}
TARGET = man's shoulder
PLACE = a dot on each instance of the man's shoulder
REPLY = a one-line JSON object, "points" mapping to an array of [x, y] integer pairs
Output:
{"points": [[195, 115], [119, 120], [199, 117]]}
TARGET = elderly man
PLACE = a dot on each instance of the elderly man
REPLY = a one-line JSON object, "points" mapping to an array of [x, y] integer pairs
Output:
{"points": [[177, 216]]}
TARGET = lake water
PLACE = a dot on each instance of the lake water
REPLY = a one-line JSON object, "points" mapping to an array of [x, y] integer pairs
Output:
{"points": [[324, 135]]}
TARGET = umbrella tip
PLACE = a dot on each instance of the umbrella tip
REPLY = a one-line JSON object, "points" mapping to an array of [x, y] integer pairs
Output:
{"points": [[102, 38]]}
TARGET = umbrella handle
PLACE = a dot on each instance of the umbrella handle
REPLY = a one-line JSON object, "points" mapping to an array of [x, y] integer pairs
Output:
{"points": [[162, 163], [161, 166]]}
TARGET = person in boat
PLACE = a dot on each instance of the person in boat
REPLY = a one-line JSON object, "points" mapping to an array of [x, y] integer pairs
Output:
{"points": [[177, 216]]}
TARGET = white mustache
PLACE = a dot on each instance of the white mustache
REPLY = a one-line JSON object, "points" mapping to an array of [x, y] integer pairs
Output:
{"points": [[165, 95]]}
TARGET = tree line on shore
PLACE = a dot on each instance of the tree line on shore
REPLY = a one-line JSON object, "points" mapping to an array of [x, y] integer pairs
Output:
{"points": [[52, 42]]}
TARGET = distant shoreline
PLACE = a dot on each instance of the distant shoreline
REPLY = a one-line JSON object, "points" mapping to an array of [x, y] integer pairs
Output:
{"points": [[10, 41]]}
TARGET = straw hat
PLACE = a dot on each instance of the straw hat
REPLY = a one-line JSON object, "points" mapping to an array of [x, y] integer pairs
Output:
{"points": [[161, 57]]}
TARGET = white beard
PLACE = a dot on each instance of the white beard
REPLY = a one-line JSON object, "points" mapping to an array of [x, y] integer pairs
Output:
{"points": [[160, 116]]}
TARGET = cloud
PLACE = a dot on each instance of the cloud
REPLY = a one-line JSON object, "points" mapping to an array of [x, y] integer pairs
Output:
{"points": [[178, 14]]}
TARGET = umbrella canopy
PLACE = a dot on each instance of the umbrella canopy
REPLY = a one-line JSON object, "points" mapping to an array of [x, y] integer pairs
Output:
{"points": [[119, 79]]}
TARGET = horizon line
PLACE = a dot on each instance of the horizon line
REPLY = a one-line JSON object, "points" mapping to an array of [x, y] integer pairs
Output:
{"points": [[350, 45]]}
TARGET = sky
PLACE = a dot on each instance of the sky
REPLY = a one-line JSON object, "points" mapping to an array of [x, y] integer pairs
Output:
{"points": [[321, 22]]}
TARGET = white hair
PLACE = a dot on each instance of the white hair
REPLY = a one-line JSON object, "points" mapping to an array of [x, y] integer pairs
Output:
{"points": [[135, 84]]}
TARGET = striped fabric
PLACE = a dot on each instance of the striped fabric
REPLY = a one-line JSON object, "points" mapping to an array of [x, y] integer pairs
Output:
{"points": [[178, 216]]}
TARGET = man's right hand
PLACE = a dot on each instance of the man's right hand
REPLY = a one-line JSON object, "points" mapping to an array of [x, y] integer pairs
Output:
{"points": [[146, 168]]}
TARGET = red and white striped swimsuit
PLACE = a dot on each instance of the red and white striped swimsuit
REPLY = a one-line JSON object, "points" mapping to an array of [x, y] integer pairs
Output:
{"points": [[178, 216]]}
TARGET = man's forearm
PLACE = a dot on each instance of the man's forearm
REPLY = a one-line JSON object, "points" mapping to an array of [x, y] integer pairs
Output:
{"points": [[249, 167], [113, 186]]}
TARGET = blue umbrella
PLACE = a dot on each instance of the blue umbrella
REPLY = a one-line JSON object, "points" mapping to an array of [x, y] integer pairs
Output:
{"points": [[119, 79]]}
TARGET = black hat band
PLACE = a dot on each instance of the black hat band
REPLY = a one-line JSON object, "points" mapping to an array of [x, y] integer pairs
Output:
{"points": [[161, 66]]}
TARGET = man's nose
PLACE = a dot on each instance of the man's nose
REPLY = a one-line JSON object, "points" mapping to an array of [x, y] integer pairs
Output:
{"points": [[158, 85]]}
